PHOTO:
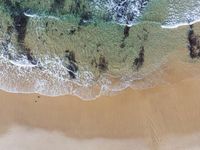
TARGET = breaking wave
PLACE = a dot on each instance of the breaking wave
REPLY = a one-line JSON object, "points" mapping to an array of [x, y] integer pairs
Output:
{"points": [[125, 12], [50, 77]]}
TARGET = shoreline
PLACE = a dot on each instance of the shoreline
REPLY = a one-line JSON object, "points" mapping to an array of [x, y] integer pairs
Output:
{"points": [[161, 117], [175, 74], [71, 55]]}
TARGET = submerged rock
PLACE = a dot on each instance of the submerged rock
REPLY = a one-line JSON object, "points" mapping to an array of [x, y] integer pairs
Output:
{"points": [[103, 63], [57, 5], [20, 22], [126, 31], [81, 8], [138, 62]]}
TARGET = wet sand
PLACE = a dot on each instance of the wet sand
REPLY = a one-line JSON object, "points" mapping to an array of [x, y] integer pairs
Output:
{"points": [[163, 117]]}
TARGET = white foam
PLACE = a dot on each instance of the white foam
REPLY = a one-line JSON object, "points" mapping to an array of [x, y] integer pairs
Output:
{"points": [[122, 10], [54, 80], [36, 16], [181, 13], [180, 24], [22, 63]]}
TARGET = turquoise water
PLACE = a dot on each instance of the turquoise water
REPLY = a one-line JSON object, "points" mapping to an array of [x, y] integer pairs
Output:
{"points": [[88, 48]]}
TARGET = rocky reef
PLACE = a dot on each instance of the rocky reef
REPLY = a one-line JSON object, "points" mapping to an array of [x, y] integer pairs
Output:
{"points": [[82, 38]]}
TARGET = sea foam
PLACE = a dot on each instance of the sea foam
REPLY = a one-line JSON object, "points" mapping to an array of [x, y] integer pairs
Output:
{"points": [[181, 13]]}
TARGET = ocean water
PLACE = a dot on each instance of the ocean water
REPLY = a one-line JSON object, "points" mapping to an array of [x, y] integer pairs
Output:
{"points": [[89, 48]]}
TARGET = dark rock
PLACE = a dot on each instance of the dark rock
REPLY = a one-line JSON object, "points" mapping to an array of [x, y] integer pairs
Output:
{"points": [[86, 15], [72, 66], [72, 69], [126, 31], [70, 55]]}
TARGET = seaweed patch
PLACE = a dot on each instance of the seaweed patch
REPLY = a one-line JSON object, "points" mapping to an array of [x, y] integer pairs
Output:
{"points": [[101, 64], [139, 61], [194, 43]]}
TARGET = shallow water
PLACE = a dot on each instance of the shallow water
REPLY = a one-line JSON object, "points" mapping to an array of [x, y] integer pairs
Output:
{"points": [[87, 48]]}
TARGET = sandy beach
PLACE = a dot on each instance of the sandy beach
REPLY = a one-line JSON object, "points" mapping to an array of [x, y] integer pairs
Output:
{"points": [[91, 48], [165, 117]]}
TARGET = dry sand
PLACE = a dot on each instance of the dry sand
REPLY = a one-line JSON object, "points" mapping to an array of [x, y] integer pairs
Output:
{"points": [[165, 117]]}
